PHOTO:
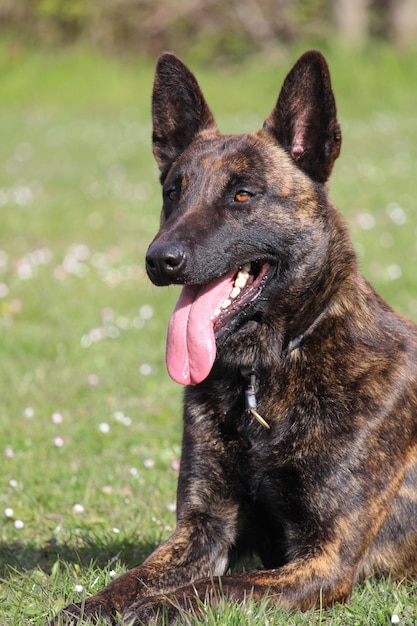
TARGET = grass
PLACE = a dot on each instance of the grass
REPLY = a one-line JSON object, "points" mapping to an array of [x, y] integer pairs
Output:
{"points": [[89, 421]]}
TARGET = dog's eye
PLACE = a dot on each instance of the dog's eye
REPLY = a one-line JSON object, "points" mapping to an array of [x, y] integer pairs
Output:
{"points": [[242, 196], [172, 194]]}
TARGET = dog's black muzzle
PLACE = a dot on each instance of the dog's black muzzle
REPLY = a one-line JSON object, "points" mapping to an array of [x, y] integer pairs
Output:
{"points": [[165, 263]]}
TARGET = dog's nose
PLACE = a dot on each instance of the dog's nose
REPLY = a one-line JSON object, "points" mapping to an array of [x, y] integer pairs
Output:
{"points": [[165, 263]]}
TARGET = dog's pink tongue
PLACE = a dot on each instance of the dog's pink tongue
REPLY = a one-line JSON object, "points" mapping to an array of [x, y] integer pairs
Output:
{"points": [[191, 346]]}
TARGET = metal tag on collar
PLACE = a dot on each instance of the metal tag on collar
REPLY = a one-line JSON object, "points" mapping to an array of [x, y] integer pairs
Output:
{"points": [[251, 404]]}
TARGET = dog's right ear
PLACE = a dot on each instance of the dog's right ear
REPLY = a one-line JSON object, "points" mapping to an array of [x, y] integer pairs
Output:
{"points": [[179, 111]]}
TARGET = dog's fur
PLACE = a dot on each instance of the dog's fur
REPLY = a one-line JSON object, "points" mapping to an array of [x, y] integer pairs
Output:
{"points": [[328, 493]]}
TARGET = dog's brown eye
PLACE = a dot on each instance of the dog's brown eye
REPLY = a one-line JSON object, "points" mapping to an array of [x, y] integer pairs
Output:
{"points": [[242, 196], [173, 195]]}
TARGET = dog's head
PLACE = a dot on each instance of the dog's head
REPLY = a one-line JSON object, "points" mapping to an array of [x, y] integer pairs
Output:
{"points": [[244, 217]]}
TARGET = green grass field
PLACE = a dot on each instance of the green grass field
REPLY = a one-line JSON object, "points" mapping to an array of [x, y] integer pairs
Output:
{"points": [[90, 423]]}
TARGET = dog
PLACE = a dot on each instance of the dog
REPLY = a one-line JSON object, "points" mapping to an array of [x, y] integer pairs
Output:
{"points": [[300, 404]]}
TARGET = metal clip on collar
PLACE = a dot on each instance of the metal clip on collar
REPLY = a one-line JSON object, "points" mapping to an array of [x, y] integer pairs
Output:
{"points": [[251, 405]]}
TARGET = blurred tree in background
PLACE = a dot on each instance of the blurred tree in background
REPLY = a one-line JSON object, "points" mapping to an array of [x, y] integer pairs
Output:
{"points": [[207, 28]]}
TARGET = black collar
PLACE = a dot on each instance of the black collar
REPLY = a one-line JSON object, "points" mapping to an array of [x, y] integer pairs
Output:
{"points": [[297, 341]]}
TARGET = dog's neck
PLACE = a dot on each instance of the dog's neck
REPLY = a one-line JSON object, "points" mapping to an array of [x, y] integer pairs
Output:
{"points": [[251, 375], [297, 341]]}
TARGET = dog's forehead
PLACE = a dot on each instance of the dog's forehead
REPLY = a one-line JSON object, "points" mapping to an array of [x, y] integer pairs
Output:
{"points": [[241, 155]]}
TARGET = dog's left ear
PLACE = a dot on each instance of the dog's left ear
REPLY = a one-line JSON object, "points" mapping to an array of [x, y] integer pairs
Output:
{"points": [[179, 110], [304, 118]]}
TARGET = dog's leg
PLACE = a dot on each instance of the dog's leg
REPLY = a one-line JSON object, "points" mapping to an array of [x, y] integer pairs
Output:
{"points": [[322, 572], [192, 552], [300, 584], [206, 530]]}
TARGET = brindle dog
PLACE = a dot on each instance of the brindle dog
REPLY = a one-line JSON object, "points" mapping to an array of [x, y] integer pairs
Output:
{"points": [[300, 412]]}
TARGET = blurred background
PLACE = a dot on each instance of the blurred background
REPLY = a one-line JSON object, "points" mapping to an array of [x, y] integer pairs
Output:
{"points": [[90, 423], [210, 29]]}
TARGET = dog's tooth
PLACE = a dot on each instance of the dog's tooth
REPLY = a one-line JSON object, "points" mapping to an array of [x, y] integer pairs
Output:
{"points": [[226, 303], [234, 293], [216, 313], [246, 267], [241, 279]]}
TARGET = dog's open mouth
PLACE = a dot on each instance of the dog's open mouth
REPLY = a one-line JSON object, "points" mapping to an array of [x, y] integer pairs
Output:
{"points": [[206, 312], [246, 288]]}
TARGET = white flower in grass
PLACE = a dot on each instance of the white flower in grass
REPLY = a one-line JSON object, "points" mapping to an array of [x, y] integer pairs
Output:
{"points": [[19, 524], [104, 427], [393, 272], [78, 508], [79, 588], [8, 512], [366, 221], [395, 619], [146, 312], [396, 214], [145, 369], [120, 417]]}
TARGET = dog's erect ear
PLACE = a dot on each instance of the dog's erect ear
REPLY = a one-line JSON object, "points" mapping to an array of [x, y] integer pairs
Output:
{"points": [[304, 118], [179, 110]]}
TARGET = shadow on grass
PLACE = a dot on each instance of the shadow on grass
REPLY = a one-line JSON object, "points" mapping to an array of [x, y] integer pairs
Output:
{"points": [[25, 556]]}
